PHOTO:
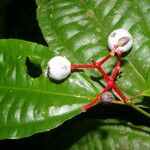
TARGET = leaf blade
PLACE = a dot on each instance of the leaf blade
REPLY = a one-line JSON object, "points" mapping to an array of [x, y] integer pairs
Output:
{"points": [[30, 105]]}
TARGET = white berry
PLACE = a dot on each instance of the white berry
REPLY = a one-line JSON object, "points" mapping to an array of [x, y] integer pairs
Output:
{"points": [[122, 38], [107, 97], [59, 68]]}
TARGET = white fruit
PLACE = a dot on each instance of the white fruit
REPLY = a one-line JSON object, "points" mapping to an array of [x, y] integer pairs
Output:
{"points": [[122, 38], [59, 68]]}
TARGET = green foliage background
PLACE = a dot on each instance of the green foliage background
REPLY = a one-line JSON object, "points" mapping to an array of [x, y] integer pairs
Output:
{"points": [[32, 105]]}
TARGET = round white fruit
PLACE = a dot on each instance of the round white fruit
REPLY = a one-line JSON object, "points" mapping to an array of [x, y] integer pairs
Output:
{"points": [[122, 38], [59, 68]]}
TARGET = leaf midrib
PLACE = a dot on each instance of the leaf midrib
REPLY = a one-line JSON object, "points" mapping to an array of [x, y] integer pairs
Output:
{"points": [[45, 92]]}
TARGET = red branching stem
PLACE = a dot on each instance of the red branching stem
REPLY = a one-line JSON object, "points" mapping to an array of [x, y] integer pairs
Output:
{"points": [[85, 108], [106, 77], [108, 86], [109, 79], [82, 66], [113, 76], [111, 84], [116, 69], [113, 51], [111, 54], [120, 93], [103, 60], [97, 99]]}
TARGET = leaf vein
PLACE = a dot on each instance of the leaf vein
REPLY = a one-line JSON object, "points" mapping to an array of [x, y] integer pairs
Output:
{"points": [[136, 70], [44, 92]]}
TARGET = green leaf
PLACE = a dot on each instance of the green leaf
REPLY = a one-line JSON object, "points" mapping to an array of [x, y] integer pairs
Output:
{"points": [[100, 135], [29, 101], [79, 30], [146, 93]]}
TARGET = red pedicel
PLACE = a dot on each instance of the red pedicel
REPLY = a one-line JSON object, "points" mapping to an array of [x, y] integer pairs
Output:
{"points": [[109, 79]]}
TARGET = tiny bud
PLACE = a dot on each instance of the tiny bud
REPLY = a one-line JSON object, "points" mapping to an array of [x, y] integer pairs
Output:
{"points": [[107, 97], [59, 68], [121, 38]]}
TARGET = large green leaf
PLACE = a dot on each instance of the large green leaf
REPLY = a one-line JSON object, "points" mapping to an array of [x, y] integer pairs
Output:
{"points": [[29, 105], [100, 135], [79, 30]]}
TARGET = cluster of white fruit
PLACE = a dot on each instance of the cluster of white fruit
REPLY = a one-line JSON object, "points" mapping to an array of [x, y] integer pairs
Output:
{"points": [[119, 40], [59, 67]]}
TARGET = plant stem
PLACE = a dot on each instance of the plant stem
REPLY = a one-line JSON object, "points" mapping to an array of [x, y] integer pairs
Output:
{"points": [[98, 98], [120, 93], [110, 80], [118, 102], [85, 108], [116, 70], [129, 103], [82, 66], [104, 59], [135, 97]]}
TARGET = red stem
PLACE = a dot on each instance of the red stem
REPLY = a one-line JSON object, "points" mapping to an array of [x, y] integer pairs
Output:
{"points": [[85, 108], [98, 64], [103, 60], [116, 69], [110, 80], [111, 84], [98, 98], [114, 74], [106, 77], [108, 56], [82, 66], [119, 93]]}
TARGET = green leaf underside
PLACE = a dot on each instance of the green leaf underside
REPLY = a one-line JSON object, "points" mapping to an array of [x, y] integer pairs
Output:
{"points": [[101, 135], [30, 105], [79, 30]]}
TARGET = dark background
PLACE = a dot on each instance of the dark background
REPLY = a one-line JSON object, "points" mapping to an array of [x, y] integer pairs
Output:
{"points": [[18, 20]]}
